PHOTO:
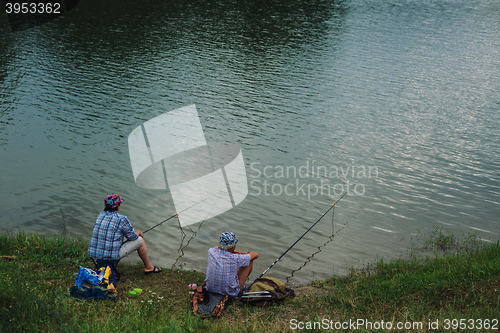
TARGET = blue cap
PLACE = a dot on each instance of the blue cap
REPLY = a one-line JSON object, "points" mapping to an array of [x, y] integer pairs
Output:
{"points": [[228, 238]]}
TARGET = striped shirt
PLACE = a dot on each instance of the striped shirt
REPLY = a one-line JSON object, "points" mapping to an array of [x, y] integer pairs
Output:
{"points": [[107, 237], [222, 271]]}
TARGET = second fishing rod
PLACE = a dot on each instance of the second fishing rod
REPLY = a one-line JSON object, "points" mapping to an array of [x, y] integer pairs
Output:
{"points": [[284, 253]]}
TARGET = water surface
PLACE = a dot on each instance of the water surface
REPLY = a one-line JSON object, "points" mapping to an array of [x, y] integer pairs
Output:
{"points": [[402, 97]]}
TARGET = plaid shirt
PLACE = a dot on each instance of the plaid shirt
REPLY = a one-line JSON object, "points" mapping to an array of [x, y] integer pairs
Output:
{"points": [[222, 271], [107, 238]]}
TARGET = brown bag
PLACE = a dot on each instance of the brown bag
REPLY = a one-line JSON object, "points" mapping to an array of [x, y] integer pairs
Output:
{"points": [[266, 291], [207, 304]]}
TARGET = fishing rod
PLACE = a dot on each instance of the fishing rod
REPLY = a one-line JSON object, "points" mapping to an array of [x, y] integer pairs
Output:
{"points": [[333, 205], [176, 214], [171, 217]]}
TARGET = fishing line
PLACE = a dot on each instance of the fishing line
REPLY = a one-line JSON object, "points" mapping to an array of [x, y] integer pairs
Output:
{"points": [[330, 238], [333, 206], [204, 219], [177, 214], [180, 251], [333, 226]]}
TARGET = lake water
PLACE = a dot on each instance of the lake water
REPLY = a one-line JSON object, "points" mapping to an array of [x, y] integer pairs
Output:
{"points": [[397, 101]]}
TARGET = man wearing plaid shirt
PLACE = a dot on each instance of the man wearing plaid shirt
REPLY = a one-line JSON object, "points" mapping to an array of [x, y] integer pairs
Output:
{"points": [[228, 268], [107, 238]]}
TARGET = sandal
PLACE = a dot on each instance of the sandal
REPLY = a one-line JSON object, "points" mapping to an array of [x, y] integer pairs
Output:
{"points": [[154, 270]]}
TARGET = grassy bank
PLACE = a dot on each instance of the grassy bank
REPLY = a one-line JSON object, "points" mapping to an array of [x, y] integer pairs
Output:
{"points": [[455, 280]]}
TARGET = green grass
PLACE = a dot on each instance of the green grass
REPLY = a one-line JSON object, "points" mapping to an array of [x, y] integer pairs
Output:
{"points": [[443, 277]]}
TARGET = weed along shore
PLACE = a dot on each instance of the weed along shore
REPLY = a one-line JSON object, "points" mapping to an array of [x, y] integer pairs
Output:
{"points": [[455, 286]]}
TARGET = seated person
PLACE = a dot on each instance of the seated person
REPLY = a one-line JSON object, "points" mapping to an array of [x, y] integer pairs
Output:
{"points": [[228, 268], [107, 238]]}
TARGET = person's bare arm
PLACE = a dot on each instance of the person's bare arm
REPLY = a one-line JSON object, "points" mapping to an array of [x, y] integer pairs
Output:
{"points": [[253, 255]]}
